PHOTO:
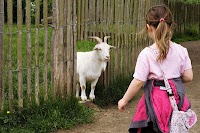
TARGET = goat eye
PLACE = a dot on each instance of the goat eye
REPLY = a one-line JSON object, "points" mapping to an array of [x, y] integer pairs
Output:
{"points": [[100, 49]]}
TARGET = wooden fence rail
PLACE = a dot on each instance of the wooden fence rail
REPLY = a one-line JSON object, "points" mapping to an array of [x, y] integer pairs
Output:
{"points": [[75, 20]]}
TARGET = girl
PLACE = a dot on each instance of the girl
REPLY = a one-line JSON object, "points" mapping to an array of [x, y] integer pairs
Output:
{"points": [[154, 109]]}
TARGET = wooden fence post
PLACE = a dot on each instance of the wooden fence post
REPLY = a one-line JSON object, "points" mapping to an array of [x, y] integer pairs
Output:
{"points": [[69, 50], [2, 89], [28, 49], [53, 90], [61, 48], [9, 57], [79, 14], [86, 21], [37, 22], [45, 23], [19, 54], [82, 19], [74, 17]]}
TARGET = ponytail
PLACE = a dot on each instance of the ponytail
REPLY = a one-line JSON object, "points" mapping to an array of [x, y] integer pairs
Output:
{"points": [[162, 38], [161, 19]]}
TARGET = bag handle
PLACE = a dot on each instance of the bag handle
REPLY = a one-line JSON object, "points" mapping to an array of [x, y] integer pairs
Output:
{"points": [[167, 85]]}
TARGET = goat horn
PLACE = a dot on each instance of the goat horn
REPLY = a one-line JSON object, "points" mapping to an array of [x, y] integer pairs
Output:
{"points": [[97, 38], [105, 38]]}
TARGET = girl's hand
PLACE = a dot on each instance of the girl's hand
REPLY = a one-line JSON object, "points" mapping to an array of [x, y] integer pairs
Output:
{"points": [[121, 104]]}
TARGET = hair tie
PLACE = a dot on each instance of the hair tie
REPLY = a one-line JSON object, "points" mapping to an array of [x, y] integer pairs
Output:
{"points": [[162, 19]]}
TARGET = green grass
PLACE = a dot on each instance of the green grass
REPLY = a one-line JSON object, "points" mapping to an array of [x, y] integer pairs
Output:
{"points": [[49, 116]]}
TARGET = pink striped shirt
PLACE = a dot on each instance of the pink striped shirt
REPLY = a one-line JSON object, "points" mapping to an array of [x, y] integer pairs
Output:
{"points": [[174, 65]]}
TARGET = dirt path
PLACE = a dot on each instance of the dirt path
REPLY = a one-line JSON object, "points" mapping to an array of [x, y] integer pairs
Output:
{"points": [[110, 120]]}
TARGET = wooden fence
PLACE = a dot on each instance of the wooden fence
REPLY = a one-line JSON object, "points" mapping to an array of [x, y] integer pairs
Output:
{"points": [[74, 20], [186, 16]]}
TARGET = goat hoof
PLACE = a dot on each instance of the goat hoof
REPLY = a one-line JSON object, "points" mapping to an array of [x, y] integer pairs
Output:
{"points": [[92, 97], [83, 98]]}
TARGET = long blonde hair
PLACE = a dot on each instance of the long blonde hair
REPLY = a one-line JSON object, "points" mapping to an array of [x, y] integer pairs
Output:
{"points": [[161, 18]]}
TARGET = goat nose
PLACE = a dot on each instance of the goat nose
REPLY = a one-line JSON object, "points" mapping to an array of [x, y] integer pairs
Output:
{"points": [[108, 57]]}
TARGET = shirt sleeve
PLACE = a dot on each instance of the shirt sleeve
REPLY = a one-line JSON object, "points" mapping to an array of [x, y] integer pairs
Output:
{"points": [[187, 64], [142, 67]]}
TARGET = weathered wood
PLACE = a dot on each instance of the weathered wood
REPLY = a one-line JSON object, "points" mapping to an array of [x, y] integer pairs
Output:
{"points": [[45, 15], [52, 51], [113, 41], [121, 38], [116, 59], [60, 49], [105, 73], [9, 56], [105, 17], [101, 19], [97, 17], [28, 49], [108, 34], [70, 50], [82, 17], [2, 89], [126, 35], [135, 23], [86, 21], [199, 17], [37, 22], [79, 19], [19, 54], [74, 47], [57, 39], [93, 17], [90, 14]]}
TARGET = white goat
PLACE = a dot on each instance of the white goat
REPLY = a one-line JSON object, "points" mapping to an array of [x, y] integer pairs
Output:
{"points": [[90, 65]]}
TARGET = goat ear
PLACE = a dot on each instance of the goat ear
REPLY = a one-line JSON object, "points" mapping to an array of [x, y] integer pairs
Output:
{"points": [[112, 47]]}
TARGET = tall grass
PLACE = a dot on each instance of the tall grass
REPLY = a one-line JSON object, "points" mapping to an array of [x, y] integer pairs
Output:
{"points": [[49, 116]]}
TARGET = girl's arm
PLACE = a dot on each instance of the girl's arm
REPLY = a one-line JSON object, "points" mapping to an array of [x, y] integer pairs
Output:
{"points": [[133, 88], [187, 76]]}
